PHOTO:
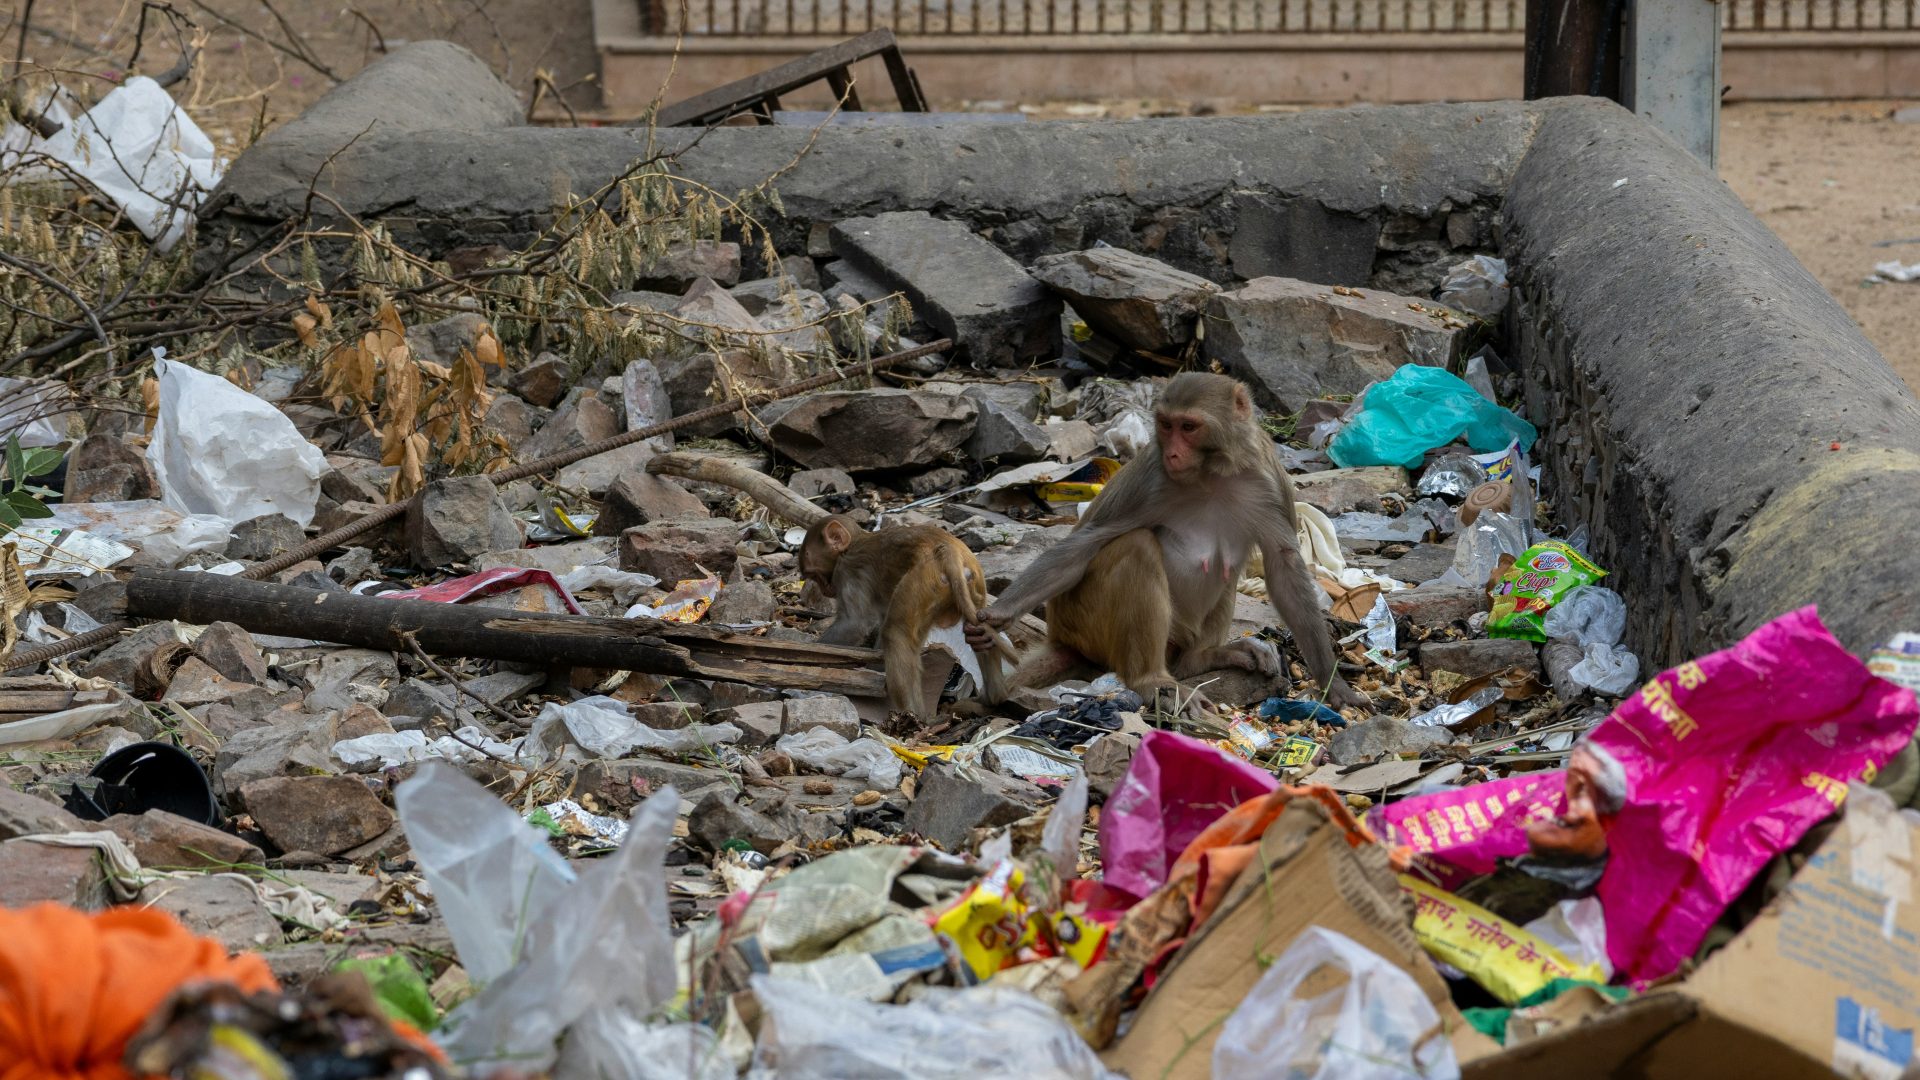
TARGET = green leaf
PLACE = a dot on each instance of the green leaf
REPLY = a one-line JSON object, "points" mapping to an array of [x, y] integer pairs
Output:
{"points": [[8, 516], [26, 506], [41, 460], [16, 461], [398, 986]]}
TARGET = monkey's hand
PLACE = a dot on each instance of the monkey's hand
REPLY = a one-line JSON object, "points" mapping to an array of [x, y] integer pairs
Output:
{"points": [[979, 636], [1342, 696]]}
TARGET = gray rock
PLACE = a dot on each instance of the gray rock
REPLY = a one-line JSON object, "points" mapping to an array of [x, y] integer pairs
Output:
{"points": [[860, 430], [1001, 435], [1141, 303], [844, 277], [760, 722], [959, 284], [809, 483], [947, 807], [1474, 657], [1002, 566], [801, 269], [596, 474], [220, 907], [103, 468], [980, 533], [504, 686], [727, 695], [935, 481], [744, 602], [668, 715], [32, 873], [513, 420], [1422, 563], [1294, 341], [323, 814], [831, 711], [1436, 605], [259, 539], [458, 520], [344, 676], [640, 498], [684, 264], [544, 381], [298, 743], [757, 297], [648, 405], [557, 559], [352, 485], [580, 420], [1335, 490], [230, 651], [709, 305], [1106, 761], [1383, 736], [442, 342], [163, 841], [22, 814], [677, 550], [700, 381], [1071, 440], [1238, 687], [424, 702], [719, 818], [124, 657]]}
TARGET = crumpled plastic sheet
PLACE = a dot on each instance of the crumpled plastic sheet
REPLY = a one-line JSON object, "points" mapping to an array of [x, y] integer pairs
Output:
{"points": [[830, 752], [165, 534], [144, 153], [603, 727], [487, 583], [1460, 711], [550, 951], [1588, 614], [1420, 408], [218, 450], [959, 1034], [401, 747], [60, 725], [1477, 286], [1175, 787], [1376, 1025], [1478, 550], [1609, 669], [624, 585], [34, 411]]}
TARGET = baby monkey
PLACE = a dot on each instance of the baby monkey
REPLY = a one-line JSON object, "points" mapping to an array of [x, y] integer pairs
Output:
{"points": [[901, 582]]}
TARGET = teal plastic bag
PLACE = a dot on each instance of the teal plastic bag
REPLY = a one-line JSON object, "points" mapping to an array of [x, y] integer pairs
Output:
{"points": [[1420, 408]]}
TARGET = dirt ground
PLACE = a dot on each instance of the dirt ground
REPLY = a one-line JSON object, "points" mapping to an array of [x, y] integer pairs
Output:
{"points": [[1836, 180]]}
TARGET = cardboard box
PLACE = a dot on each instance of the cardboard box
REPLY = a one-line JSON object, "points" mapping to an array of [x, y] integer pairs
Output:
{"points": [[1825, 981], [1307, 875]]}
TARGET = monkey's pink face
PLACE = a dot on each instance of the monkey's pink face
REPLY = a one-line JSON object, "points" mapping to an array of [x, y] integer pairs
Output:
{"points": [[1182, 449]]}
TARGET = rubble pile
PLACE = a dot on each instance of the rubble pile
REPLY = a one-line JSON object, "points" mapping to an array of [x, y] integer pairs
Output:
{"points": [[555, 777]]}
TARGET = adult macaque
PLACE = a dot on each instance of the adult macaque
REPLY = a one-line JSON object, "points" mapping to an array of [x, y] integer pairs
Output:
{"points": [[1144, 584], [902, 583]]}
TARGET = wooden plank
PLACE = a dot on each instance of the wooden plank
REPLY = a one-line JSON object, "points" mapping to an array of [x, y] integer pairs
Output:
{"points": [[737, 97], [642, 645]]}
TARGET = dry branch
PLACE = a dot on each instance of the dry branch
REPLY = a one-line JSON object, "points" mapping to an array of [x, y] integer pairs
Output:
{"points": [[765, 490]]}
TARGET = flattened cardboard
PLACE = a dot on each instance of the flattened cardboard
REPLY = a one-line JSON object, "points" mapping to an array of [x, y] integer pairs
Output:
{"points": [[1825, 981], [1307, 875]]}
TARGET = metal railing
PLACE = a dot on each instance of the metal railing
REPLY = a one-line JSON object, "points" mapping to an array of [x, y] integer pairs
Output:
{"points": [[1028, 18]]}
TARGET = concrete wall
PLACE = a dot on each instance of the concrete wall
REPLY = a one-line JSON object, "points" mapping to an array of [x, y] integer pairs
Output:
{"points": [[1690, 377]]}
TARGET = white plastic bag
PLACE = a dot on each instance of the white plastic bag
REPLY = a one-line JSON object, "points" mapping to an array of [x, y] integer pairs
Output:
{"points": [[166, 535], [1480, 546], [550, 952], [809, 1034], [143, 152], [603, 727], [1377, 1026], [1477, 286], [35, 411], [401, 747], [830, 752], [219, 450], [1610, 669], [1588, 614]]}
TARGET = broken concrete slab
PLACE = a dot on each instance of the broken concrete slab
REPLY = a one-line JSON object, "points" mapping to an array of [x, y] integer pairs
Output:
{"points": [[219, 906], [710, 311], [580, 420], [641, 498], [322, 814], [677, 550], [1002, 435], [760, 722], [831, 711], [959, 284], [681, 265], [1333, 491], [1140, 302], [1474, 657], [231, 651], [457, 520], [1293, 341], [744, 602], [33, 873], [863, 430], [1422, 563], [298, 742]]}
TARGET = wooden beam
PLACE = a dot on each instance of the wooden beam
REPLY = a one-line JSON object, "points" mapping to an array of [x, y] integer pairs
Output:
{"points": [[734, 98], [368, 622]]}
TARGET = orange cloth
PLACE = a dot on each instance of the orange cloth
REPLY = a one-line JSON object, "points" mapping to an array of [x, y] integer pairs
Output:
{"points": [[74, 987]]}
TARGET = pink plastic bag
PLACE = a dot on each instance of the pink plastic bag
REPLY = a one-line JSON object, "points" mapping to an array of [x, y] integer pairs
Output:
{"points": [[1728, 761], [1723, 763], [1467, 830], [486, 583], [1174, 789]]}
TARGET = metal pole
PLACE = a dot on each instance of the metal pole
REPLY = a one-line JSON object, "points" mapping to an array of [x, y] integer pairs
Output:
{"points": [[1672, 71]]}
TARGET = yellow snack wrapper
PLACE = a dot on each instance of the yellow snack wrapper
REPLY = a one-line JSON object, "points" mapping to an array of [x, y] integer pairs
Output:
{"points": [[989, 923], [1084, 485], [1508, 960]]}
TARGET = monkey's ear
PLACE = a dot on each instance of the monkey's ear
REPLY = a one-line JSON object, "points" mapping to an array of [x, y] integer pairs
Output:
{"points": [[837, 534], [1242, 402]]}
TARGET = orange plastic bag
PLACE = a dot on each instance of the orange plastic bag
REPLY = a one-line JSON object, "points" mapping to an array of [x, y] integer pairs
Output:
{"points": [[75, 987]]}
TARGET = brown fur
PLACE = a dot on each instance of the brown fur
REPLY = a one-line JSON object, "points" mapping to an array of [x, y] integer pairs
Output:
{"points": [[1144, 585], [900, 583]]}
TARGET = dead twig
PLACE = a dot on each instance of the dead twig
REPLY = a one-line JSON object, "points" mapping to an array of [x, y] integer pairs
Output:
{"points": [[413, 643], [379, 39], [39, 274], [295, 49], [189, 50]]}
